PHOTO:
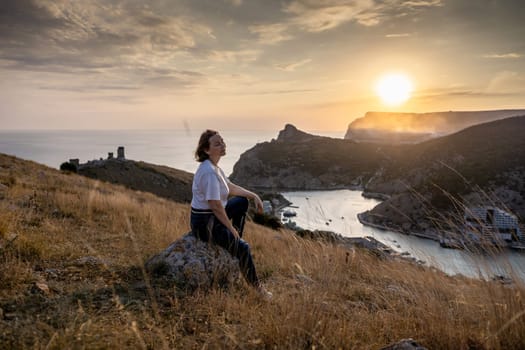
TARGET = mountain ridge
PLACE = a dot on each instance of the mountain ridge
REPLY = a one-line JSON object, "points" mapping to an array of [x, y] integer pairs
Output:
{"points": [[464, 167], [397, 127]]}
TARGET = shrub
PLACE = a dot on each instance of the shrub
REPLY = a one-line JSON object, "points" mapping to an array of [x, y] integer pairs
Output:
{"points": [[68, 167], [267, 220]]}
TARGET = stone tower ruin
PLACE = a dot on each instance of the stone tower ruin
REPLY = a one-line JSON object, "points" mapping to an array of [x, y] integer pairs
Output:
{"points": [[120, 153]]}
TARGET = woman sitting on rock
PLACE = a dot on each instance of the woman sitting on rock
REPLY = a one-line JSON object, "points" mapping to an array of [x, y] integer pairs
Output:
{"points": [[216, 218]]}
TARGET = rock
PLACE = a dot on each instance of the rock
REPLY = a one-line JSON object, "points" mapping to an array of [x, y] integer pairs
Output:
{"points": [[405, 344], [192, 264], [304, 279], [291, 134], [89, 261], [41, 287], [52, 273], [406, 226]]}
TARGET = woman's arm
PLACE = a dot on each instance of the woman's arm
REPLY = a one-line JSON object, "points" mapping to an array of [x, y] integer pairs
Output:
{"points": [[220, 213], [237, 190]]}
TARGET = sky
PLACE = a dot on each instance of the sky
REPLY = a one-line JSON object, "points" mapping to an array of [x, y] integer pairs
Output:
{"points": [[246, 64]]}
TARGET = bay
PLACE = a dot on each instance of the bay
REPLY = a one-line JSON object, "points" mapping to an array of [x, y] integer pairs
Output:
{"points": [[337, 211]]}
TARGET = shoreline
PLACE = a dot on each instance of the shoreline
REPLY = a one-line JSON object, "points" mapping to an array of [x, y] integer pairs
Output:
{"points": [[434, 235], [443, 242], [363, 221]]}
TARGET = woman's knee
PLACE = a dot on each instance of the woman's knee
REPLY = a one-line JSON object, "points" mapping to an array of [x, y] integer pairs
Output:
{"points": [[243, 203], [238, 204]]}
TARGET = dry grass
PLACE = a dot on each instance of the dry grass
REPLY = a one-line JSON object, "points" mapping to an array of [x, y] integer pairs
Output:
{"points": [[324, 296]]}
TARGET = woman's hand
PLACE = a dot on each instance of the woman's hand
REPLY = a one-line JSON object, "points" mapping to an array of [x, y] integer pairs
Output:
{"points": [[220, 213], [258, 203], [237, 190], [234, 231]]}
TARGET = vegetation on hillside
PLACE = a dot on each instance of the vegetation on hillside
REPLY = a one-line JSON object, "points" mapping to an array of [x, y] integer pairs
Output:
{"points": [[486, 159], [72, 251], [163, 181]]}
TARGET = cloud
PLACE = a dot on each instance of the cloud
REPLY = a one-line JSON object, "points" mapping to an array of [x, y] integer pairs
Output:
{"points": [[231, 56], [278, 92], [422, 3], [94, 37], [398, 35], [447, 93], [314, 16], [318, 16], [271, 33], [504, 55], [290, 67], [507, 82]]}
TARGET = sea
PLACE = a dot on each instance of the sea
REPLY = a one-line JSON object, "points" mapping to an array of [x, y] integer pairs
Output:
{"points": [[324, 210]]}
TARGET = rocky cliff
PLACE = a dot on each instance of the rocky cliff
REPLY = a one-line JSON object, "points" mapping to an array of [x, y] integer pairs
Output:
{"points": [[426, 185], [389, 127], [301, 161]]}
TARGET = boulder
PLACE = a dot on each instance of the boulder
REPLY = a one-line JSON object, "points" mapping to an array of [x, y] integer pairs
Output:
{"points": [[191, 264]]}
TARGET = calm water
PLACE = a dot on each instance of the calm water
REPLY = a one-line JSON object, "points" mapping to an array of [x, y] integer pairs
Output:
{"points": [[175, 148], [337, 211]]}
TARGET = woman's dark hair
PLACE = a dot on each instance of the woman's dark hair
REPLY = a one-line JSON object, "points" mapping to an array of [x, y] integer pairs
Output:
{"points": [[204, 144]]}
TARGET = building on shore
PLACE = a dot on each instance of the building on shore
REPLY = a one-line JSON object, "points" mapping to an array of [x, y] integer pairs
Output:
{"points": [[491, 224]]}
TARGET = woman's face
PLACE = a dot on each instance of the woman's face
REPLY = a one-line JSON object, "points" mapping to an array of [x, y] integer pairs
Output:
{"points": [[217, 147]]}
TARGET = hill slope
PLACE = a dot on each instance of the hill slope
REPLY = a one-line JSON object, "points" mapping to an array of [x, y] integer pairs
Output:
{"points": [[72, 251], [160, 180], [296, 160], [481, 165]]}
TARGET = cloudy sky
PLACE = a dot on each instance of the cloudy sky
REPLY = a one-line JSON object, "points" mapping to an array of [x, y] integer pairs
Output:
{"points": [[251, 64]]}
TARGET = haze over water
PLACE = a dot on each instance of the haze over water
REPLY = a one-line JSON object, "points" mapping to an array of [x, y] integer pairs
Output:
{"points": [[173, 148]]}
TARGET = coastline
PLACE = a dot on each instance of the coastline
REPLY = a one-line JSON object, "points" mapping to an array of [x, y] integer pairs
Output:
{"points": [[362, 219], [369, 243], [375, 195], [444, 242]]}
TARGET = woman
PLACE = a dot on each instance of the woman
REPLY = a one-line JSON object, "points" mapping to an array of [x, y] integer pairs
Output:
{"points": [[215, 218]]}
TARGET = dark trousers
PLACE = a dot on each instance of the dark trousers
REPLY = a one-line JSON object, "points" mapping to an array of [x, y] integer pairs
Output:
{"points": [[207, 227]]}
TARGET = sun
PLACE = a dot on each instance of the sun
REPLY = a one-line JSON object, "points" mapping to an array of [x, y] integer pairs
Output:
{"points": [[394, 89]]}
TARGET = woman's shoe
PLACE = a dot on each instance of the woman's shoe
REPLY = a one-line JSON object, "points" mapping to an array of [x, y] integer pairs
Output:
{"points": [[264, 293]]}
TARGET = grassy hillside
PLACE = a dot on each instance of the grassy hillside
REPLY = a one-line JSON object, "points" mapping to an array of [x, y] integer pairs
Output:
{"points": [[479, 153], [488, 159], [72, 251], [160, 180]]}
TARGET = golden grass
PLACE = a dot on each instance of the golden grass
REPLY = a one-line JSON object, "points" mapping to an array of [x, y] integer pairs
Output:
{"points": [[324, 296]]}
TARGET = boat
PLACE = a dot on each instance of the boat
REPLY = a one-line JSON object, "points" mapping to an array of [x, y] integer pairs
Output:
{"points": [[288, 213]]}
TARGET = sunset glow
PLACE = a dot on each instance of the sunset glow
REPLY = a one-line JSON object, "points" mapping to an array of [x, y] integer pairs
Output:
{"points": [[230, 64], [394, 89]]}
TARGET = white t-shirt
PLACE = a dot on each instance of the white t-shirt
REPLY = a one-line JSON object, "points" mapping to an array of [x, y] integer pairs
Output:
{"points": [[209, 183]]}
